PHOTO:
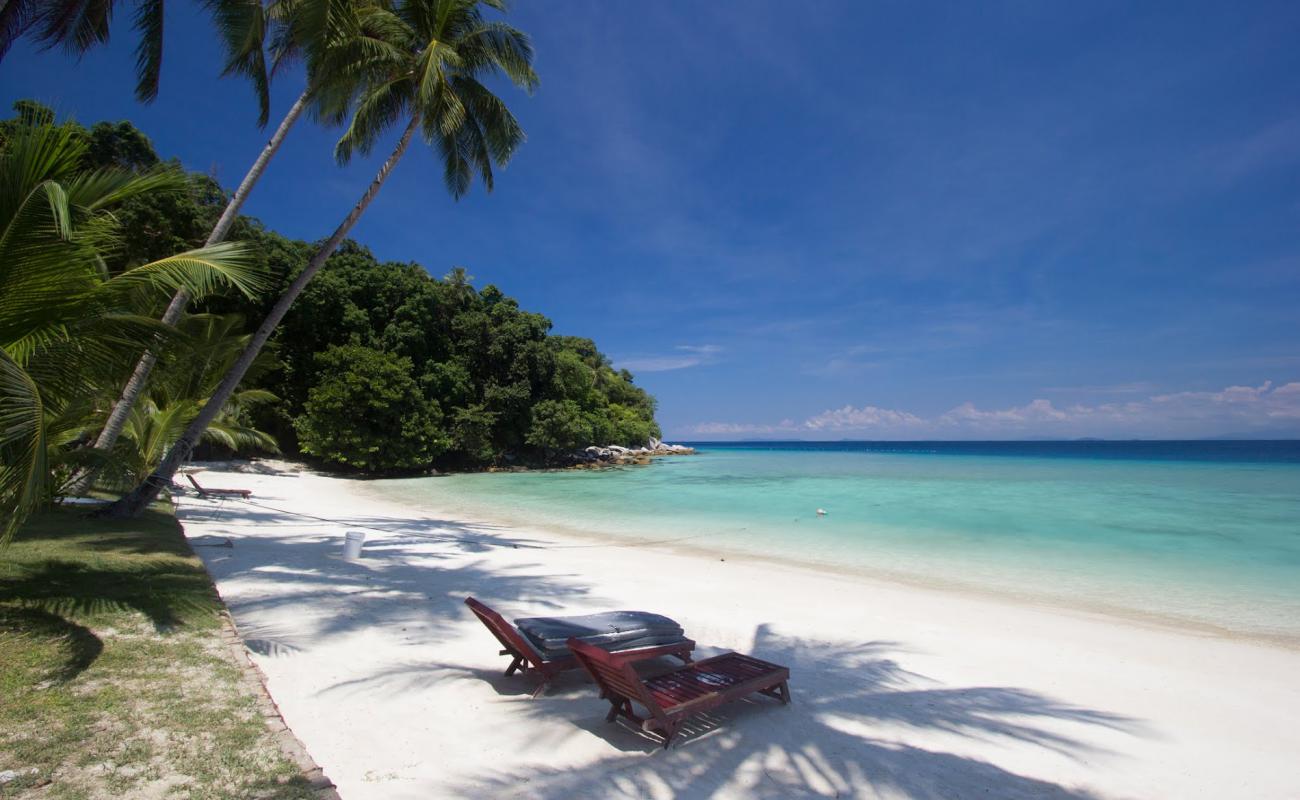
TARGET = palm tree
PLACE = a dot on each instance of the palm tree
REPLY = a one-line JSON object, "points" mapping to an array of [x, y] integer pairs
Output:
{"points": [[295, 26], [425, 62], [193, 366], [67, 328], [135, 385], [461, 283]]}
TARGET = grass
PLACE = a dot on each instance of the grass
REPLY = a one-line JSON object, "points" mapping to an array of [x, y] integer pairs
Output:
{"points": [[114, 679]]}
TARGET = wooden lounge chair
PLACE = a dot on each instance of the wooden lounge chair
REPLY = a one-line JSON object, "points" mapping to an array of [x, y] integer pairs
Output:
{"points": [[528, 659], [245, 493], [670, 699]]}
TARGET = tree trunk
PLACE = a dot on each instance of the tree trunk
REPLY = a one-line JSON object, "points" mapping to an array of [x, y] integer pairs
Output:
{"points": [[140, 377], [139, 498]]}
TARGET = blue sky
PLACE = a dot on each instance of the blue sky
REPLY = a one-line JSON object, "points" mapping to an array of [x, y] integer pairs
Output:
{"points": [[847, 220]]}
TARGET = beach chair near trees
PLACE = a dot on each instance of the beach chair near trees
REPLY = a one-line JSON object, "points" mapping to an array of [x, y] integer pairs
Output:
{"points": [[673, 698], [244, 493], [538, 645]]}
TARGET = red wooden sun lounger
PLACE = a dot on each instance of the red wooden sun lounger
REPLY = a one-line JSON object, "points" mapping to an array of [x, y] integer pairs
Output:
{"points": [[670, 699], [526, 659], [218, 492]]}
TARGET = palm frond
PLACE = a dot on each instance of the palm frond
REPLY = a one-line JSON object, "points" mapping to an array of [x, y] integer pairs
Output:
{"points": [[77, 25], [379, 108], [496, 46], [243, 27], [149, 51], [198, 272], [16, 16], [22, 445]]}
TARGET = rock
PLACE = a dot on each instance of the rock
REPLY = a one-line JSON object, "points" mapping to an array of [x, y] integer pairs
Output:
{"points": [[14, 774]]}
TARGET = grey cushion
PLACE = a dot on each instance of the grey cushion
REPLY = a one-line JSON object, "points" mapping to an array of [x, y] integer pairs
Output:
{"points": [[612, 630]]}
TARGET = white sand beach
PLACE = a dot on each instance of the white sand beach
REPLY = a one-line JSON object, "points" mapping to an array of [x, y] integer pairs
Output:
{"points": [[898, 691]]}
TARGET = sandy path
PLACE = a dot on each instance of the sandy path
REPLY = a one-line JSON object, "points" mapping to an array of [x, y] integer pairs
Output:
{"points": [[898, 691]]}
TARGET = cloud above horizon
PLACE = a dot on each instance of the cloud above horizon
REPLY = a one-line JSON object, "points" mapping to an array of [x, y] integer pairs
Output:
{"points": [[684, 357], [1233, 410]]}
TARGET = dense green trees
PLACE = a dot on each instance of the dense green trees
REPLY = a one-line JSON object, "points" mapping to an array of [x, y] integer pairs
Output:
{"points": [[489, 384], [367, 412], [493, 369], [421, 64]]}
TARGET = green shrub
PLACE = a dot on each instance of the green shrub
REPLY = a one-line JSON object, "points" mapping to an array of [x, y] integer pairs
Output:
{"points": [[367, 412]]}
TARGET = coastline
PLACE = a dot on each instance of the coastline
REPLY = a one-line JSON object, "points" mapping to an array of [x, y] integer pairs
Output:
{"points": [[975, 692], [691, 545]]}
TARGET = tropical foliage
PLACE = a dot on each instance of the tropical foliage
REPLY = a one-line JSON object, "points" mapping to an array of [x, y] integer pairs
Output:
{"points": [[367, 412], [490, 367], [191, 365], [380, 366], [69, 324], [421, 65]]}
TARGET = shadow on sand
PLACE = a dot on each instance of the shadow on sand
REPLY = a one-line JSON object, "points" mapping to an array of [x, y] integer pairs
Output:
{"points": [[844, 735]]}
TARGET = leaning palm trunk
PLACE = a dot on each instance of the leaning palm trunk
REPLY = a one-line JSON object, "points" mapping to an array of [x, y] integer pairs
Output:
{"points": [[141, 496], [140, 377]]}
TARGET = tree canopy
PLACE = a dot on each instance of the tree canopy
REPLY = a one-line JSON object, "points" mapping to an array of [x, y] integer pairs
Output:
{"points": [[504, 386], [467, 377]]}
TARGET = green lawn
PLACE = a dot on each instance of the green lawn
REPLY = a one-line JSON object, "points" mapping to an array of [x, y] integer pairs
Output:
{"points": [[114, 680]]}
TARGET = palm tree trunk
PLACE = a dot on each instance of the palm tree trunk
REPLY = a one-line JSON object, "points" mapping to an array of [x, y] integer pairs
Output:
{"points": [[140, 377], [140, 497]]}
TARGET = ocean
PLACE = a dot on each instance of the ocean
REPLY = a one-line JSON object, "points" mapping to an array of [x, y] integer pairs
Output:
{"points": [[1203, 535]]}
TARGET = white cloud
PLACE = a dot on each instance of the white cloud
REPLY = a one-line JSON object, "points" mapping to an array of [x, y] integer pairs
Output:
{"points": [[688, 355], [731, 428], [1232, 410], [1036, 411], [850, 418]]}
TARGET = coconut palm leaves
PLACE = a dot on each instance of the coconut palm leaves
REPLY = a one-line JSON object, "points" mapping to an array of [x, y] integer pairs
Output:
{"points": [[67, 327], [190, 370], [79, 25], [430, 67]]}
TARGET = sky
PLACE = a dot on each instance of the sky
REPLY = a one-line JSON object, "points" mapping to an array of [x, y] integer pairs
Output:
{"points": [[844, 220]]}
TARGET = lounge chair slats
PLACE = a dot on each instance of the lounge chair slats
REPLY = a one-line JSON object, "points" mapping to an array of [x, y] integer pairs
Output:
{"points": [[245, 493], [670, 699]]}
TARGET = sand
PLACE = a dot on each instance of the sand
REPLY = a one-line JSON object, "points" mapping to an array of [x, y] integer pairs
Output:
{"points": [[899, 691]]}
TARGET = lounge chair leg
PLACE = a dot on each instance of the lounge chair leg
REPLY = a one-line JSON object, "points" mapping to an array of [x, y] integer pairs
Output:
{"points": [[670, 733], [781, 692], [517, 664], [613, 710], [541, 688]]}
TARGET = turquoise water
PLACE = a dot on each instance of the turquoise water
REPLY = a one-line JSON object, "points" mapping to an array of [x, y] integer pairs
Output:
{"points": [[1206, 536]]}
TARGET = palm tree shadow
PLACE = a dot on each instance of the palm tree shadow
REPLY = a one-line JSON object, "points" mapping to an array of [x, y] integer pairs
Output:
{"points": [[401, 581], [79, 645], [831, 741]]}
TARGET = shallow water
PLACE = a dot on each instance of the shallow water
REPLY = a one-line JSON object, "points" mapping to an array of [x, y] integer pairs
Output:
{"points": [[1201, 534]]}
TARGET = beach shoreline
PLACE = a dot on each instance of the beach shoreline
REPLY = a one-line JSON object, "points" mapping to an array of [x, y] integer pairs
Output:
{"points": [[690, 545], [1032, 700]]}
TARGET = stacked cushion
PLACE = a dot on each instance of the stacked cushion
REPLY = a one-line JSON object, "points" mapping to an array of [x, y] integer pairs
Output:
{"points": [[612, 630]]}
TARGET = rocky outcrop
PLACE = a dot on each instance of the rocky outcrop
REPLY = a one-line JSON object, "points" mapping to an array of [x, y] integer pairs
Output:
{"points": [[616, 454]]}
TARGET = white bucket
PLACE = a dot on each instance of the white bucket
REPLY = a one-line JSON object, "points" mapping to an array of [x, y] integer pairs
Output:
{"points": [[352, 545]]}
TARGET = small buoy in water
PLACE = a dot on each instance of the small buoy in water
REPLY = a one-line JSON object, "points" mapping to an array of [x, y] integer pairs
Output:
{"points": [[821, 512]]}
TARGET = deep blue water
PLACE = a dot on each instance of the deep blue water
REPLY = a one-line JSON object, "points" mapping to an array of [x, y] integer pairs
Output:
{"points": [[1260, 451]]}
